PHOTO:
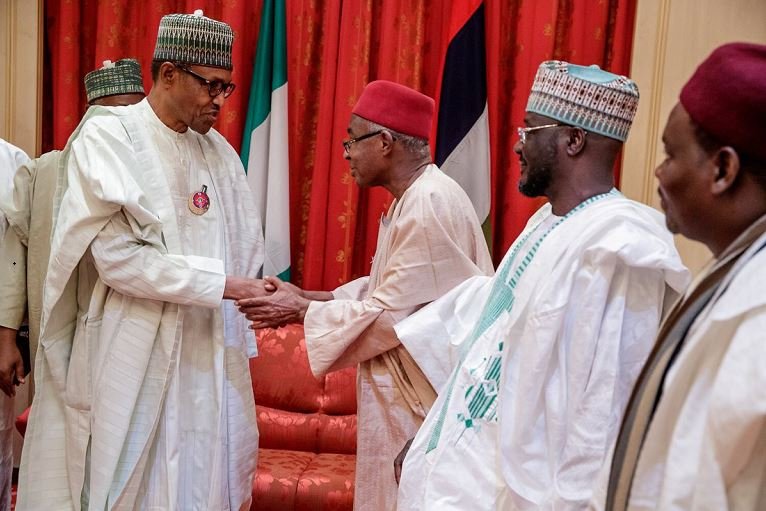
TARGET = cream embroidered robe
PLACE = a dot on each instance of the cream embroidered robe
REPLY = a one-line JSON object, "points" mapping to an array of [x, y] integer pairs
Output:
{"points": [[429, 241]]}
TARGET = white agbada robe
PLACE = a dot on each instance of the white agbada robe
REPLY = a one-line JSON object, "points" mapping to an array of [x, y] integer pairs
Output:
{"points": [[705, 448], [150, 394], [429, 241], [11, 158], [530, 401]]}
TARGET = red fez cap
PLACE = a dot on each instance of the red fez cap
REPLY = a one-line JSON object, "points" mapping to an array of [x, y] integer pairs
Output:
{"points": [[396, 107], [726, 96]]}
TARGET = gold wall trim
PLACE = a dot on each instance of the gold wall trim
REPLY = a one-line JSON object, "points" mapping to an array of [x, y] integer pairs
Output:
{"points": [[21, 51], [5, 55], [12, 66], [655, 109]]}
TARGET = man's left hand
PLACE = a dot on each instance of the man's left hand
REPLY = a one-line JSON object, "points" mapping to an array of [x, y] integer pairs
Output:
{"points": [[284, 306], [399, 461], [11, 363]]}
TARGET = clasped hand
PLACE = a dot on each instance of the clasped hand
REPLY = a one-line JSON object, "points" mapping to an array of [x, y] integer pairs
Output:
{"points": [[284, 304]]}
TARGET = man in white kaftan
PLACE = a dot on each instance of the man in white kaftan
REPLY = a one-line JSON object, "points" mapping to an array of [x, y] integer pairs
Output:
{"points": [[429, 241], [694, 434], [540, 358], [143, 395], [11, 158], [526, 418]]}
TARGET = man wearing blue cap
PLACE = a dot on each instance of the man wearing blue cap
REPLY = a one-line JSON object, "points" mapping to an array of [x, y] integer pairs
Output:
{"points": [[143, 395], [543, 354]]}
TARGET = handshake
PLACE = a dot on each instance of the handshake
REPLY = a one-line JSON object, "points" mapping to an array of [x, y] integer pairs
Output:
{"points": [[267, 302]]}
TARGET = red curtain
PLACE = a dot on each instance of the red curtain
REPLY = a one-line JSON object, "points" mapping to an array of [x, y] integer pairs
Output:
{"points": [[81, 34], [334, 48]]}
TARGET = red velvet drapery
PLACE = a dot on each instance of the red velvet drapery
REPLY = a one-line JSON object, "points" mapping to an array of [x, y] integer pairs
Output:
{"points": [[81, 34], [334, 48]]}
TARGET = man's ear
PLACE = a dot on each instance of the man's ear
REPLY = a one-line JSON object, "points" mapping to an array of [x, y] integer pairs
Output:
{"points": [[387, 141], [575, 141], [726, 167], [168, 73]]}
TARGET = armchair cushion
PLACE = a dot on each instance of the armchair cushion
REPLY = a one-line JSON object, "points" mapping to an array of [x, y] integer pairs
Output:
{"points": [[303, 481], [307, 425]]}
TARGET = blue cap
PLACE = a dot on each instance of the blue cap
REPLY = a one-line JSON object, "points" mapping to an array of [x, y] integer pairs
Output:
{"points": [[585, 96]]}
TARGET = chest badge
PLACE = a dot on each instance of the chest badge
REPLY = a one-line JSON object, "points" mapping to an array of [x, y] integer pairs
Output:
{"points": [[199, 202]]}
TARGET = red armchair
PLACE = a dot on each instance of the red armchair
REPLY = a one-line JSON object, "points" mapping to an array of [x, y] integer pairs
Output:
{"points": [[307, 454]]}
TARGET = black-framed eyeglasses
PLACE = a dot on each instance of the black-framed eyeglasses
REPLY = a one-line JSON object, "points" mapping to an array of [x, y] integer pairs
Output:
{"points": [[214, 87], [347, 143]]}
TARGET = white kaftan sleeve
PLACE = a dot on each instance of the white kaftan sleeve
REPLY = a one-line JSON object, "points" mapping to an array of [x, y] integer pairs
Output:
{"points": [[433, 335], [136, 269], [14, 216], [343, 333], [11, 158]]}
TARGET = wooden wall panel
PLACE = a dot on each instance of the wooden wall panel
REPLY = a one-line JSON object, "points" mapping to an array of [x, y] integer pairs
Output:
{"points": [[671, 38], [21, 46]]}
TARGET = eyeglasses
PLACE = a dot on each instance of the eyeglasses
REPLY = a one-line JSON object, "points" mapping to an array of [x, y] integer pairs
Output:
{"points": [[523, 131], [214, 87], [347, 143]]}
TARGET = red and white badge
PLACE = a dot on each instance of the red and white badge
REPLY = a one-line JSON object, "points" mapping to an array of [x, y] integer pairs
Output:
{"points": [[199, 202]]}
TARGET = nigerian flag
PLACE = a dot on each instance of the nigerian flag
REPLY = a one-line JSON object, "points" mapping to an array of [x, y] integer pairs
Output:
{"points": [[264, 143]]}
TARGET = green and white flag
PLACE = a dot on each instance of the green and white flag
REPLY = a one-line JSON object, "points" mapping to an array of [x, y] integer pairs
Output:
{"points": [[264, 144]]}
